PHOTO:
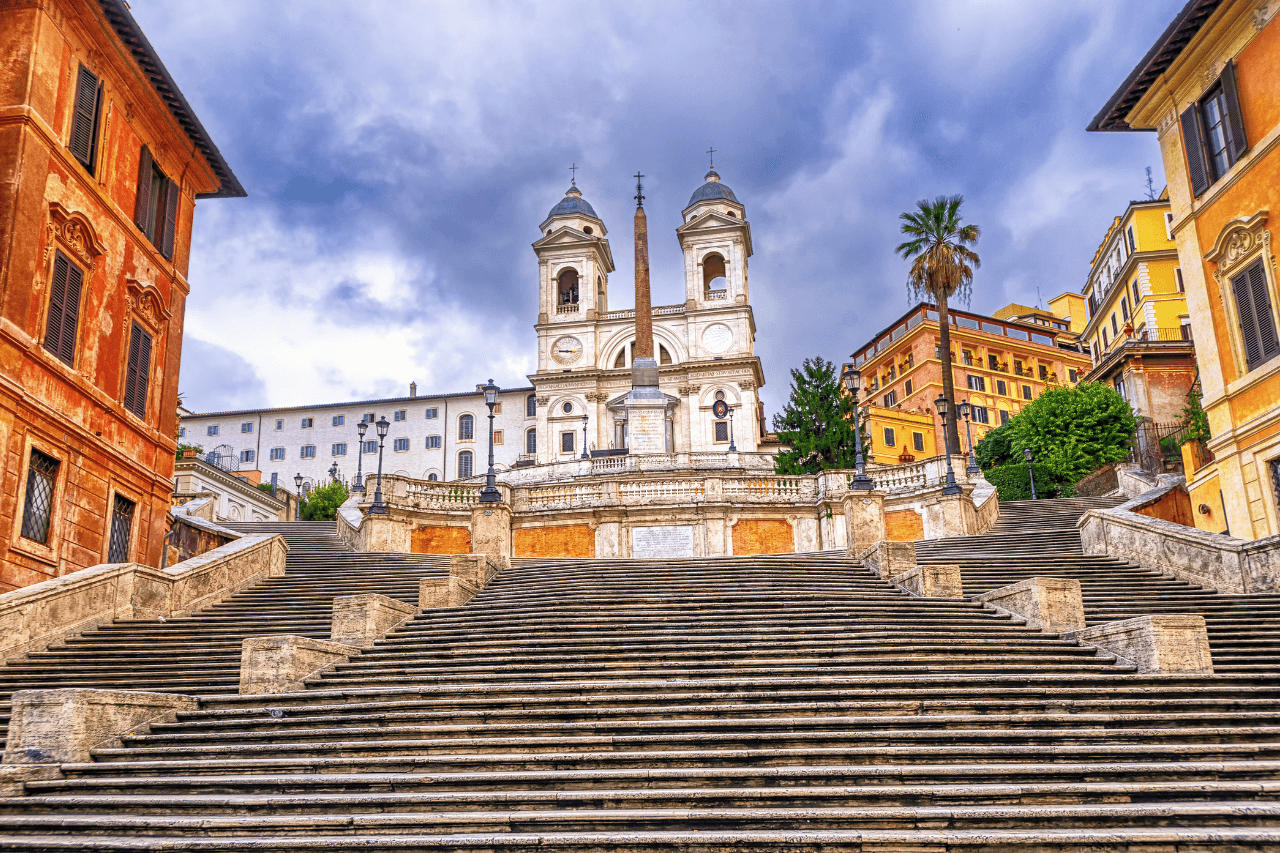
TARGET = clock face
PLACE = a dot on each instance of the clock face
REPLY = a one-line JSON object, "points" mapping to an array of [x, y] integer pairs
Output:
{"points": [[566, 350]]}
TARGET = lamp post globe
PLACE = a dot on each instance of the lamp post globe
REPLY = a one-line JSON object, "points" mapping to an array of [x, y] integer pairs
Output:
{"points": [[965, 411], [378, 507], [851, 378], [359, 484], [490, 493], [1031, 474], [951, 488]]}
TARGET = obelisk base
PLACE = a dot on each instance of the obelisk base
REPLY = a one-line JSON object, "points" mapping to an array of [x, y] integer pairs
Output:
{"points": [[646, 407]]}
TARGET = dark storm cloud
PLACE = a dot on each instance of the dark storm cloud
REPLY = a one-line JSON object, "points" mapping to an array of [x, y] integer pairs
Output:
{"points": [[400, 157]]}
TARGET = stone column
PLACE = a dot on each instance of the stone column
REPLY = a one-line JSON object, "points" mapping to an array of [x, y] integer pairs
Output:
{"points": [[864, 519], [491, 532]]}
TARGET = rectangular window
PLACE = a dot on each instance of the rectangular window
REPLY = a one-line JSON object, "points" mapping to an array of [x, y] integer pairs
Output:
{"points": [[279, 425], [246, 455], [497, 436], [980, 415], [1124, 307], [433, 442], [911, 360], [1168, 225], [977, 383], [1044, 373], [307, 451], [399, 416], [907, 389], [1105, 342], [1017, 366], [277, 454], [369, 446], [37, 508], [137, 377], [1213, 132], [247, 426], [85, 119], [339, 420], [1133, 247], [1257, 320], [566, 442], [369, 418], [308, 423], [1004, 417], [1120, 388], [497, 408], [156, 209], [1072, 375], [890, 440], [993, 362], [211, 430], [531, 442], [1115, 328], [121, 528], [64, 309], [182, 432], [402, 444], [531, 406], [465, 464], [1137, 294], [1026, 392], [721, 431], [890, 399], [340, 448], [967, 357], [1001, 387], [917, 441], [432, 414]]}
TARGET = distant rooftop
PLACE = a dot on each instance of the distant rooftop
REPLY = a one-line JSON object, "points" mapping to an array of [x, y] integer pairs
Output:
{"points": [[353, 403]]}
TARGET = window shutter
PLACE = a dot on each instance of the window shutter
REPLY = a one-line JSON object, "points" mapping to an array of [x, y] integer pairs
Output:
{"points": [[1235, 120], [170, 218], [1268, 342], [142, 208], [137, 374], [1250, 322], [84, 119], [1191, 141], [57, 301], [131, 371], [71, 314]]}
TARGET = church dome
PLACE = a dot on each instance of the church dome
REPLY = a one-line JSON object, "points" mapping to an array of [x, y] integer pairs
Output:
{"points": [[573, 204], [712, 190]]}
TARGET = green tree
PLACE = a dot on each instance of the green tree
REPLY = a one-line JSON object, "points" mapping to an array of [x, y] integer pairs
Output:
{"points": [[1073, 431], [323, 502], [942, 266], [817, 422], [995, 448]]}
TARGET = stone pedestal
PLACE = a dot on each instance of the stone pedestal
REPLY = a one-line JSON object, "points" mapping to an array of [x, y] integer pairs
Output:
{"points": [[864, 519], [646, 408], [889, 559], [491, 532], [468, 574], [1157, 644], [931, 581], [55, 726], [1052, 605], [382, 533], [282, 663], [957, 515], [361, 620]]}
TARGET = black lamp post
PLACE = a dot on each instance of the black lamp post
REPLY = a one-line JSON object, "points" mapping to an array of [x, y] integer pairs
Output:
{"points": [[297, 484], [965, 409], [852, 379], [584, 436], [733, 448], [950, 488], [490, 493], [378, 507], [1027, 455], [359, 486], [333, 473]]}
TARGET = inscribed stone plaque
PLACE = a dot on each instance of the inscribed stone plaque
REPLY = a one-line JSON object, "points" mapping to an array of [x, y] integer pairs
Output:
{"points": [[647, 431], [659, 542]]}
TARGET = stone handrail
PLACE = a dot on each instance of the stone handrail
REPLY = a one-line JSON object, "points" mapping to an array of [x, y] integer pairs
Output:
{"points": [[1213, 560], [33, 617]]}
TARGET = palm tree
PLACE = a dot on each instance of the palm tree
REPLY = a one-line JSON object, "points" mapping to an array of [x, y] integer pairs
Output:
{"points": [[942, 267]]}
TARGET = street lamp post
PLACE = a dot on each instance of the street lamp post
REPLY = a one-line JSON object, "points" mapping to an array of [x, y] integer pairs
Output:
{"points": [[852, 379], [733, 448], [1031, 475], [333, 472], [359, 486], [490, 493], [378, 507], [297, 485], [965, 409], [584, 436], [950, 488]]}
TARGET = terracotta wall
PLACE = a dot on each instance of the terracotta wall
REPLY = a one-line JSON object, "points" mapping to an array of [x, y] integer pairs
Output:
{"points": [[567, 540], [1174, 505], [904, 525], [441, 540], [763, 536]]}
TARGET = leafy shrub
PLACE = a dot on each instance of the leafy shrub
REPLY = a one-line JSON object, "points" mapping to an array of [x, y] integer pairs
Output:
{"points": [[1012, 483], [995, 448], [1075, 430], [322, 504]]}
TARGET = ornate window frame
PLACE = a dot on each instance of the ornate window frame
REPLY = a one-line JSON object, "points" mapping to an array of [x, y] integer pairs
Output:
{"points": [[71, 233], [1240, 243]]}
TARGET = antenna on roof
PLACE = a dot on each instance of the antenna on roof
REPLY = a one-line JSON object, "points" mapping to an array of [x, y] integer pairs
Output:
{"points": [[1039, 298], [1151, 186]]}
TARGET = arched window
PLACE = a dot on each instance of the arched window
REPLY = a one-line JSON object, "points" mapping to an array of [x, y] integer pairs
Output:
{"points": [[465, 464], [568, 287], [664, 357], [714, 283], [432, 476], [531, 441], [531, 406], [627, 355], [466, 428]]}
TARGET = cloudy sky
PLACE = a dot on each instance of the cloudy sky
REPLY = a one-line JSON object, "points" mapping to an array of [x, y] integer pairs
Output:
{"points": [[399, 157]]}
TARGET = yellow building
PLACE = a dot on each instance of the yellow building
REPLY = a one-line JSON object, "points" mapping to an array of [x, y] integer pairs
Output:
{"points": [[1138, 332], [1208, 89], [998, 366]]}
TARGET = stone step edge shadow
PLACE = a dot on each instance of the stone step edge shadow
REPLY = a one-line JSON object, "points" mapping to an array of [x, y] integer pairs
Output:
{"points": [[1154, 645], [468, 575], [895, 563]]}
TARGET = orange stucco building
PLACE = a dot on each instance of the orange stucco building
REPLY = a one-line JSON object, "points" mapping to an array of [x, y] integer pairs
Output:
{"points": [[101, 162], [1209, 88]]}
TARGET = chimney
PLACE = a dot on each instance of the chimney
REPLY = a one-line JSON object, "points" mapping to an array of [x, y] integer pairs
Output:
{"points": [[413, 389]]}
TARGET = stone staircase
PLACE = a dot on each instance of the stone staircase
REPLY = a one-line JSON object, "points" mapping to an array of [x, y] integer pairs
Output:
{"points": [[789, 702], [200, 654], [1040, 538]]}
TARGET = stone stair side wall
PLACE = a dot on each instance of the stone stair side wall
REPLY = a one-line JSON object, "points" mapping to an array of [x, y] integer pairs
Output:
{"points": [[1223, 563], [36, 616]]}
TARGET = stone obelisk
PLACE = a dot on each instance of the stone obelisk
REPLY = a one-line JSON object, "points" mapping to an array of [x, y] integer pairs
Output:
{"points": [[646, 404]]}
